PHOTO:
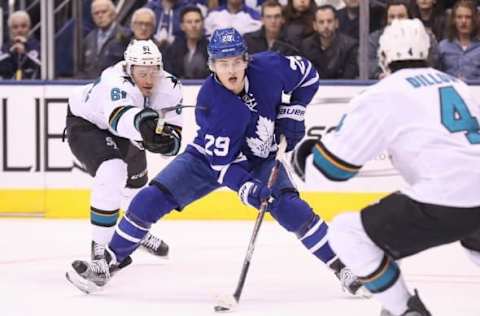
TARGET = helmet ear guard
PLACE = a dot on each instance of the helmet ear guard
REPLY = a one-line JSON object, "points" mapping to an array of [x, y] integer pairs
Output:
{"points": [[403, 40]]}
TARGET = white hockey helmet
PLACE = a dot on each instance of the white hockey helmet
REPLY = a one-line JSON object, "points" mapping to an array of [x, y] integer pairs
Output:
{"points": [[403, 39], [142, 53]]}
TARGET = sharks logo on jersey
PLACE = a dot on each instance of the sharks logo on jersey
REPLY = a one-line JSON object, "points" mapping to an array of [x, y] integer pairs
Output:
{"points": [[262, 145]]}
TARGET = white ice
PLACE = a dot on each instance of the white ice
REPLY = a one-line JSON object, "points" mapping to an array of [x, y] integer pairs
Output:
{"points": [[205, 261]]}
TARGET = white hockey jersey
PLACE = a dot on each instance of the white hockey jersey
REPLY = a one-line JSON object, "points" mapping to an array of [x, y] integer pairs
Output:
{"points": [[427, 121], [114, 90]]}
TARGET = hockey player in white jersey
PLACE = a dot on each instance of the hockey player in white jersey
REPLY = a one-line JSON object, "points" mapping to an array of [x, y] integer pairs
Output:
{"points": [[110, 122], [428, 123]]}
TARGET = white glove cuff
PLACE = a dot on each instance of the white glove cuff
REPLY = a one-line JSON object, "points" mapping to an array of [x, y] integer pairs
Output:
{"points": [[244, 191]]}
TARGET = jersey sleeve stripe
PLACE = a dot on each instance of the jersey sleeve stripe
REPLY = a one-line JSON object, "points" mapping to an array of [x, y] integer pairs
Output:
{"points": [[116, 115], [305, 75], [308, 72], [311, 81], [331, 166]]}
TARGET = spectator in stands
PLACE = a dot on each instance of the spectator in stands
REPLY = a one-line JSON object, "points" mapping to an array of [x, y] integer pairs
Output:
{"points": [[271, 36], [20, 56], [254, 4], [432, 16], [299, 16], [104, 46], [460, 51], [143, 24], [395, 9], [167, 13], [377, 14], [334, 55], [234, 14], [187, 57], [348, 18]]}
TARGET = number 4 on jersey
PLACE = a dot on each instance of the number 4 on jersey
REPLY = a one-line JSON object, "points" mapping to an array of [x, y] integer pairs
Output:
{"points": [[455, 115]]}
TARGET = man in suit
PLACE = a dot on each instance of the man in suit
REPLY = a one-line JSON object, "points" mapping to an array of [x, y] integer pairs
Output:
{"points": [[104, 46]]}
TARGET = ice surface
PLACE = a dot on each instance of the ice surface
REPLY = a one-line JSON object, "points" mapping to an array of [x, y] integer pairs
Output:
{"points": [[205, 262]]}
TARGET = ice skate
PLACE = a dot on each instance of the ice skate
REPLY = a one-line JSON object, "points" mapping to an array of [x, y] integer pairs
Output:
{"points": [[348, 280], [415, 308], [155, 245], [351, 284], [98, 252], [89, 277]]}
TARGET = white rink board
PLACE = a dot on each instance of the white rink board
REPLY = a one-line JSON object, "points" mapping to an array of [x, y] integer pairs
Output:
{"points": [[34, 156]]}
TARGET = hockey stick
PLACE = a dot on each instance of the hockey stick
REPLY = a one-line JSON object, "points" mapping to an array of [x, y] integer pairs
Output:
{"points": [[165, 110], [227, 303]]}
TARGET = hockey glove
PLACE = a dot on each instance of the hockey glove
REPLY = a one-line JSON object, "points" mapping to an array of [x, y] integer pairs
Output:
{"points": [[291, 123], [167, 142], [253, 193], [300, 155]]}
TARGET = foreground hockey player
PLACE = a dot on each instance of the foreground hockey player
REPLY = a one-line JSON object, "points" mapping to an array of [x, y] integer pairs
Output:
{"points": [[428, 123], [109, 122], [239, 110]]}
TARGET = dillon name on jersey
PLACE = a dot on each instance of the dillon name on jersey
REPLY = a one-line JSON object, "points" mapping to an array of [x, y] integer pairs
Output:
{"points": [[234, 128], [113, 100]]}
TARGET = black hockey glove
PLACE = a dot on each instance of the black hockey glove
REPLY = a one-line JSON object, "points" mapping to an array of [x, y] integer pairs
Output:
{"points": [[300, 155], [167, 142], [290, 122]]}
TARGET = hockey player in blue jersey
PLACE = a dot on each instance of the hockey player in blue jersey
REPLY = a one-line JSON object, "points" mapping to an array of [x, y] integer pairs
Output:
{"points": [[242, 108]]}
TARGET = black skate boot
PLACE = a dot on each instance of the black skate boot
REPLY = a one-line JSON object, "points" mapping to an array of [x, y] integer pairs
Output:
{"points": [[415, 308], [348, 280], [155, 245], [89, 277], [98, 252], [113, 264]]}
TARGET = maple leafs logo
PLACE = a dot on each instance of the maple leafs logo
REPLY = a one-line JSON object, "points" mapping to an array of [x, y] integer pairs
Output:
{"points": [[261, 146]]}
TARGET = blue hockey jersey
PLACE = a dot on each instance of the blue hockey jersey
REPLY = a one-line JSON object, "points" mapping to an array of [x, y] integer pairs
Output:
{"points": [[237, 131]]}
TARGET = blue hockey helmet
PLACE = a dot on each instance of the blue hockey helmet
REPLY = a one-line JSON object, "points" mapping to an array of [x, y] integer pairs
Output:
{"points": [[226, 43]]}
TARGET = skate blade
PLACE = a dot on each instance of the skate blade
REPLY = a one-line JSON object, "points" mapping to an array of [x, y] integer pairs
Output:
{"points": [[81, 283], [362, 293], [145, 249]]}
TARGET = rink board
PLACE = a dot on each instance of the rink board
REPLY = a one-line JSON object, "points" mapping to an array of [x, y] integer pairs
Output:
{"points": [[218, 205], [39, 175]]}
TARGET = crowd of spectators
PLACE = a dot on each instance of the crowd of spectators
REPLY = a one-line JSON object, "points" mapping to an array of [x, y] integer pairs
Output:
{"points": [[324, 31]]}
